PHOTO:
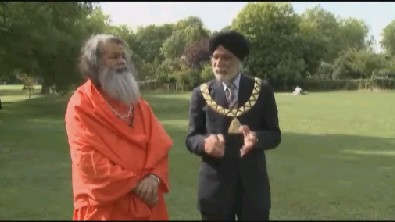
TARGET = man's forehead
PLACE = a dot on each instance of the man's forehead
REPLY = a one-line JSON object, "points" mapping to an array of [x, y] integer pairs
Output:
{"points": [[111, 47]]}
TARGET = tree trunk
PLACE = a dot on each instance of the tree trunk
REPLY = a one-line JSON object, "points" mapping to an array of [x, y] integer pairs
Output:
{"points": [[45, 88]]}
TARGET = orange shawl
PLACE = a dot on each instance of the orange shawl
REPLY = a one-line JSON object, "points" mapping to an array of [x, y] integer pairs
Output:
{"points": [[109, 158]]}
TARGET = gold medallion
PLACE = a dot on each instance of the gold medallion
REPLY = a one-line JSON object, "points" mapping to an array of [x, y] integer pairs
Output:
{"points": [[234, 126]]}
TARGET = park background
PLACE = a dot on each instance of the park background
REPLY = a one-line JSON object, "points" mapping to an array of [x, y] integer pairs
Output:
{"points": [[336, 158]]}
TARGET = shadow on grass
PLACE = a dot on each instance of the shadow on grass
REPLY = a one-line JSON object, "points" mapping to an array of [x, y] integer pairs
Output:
{"points": [[346, 145], [345, 176], [46, 107]]}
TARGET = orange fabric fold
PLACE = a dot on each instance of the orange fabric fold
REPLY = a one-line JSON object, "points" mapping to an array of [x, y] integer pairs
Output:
{"points": [[109, 158]]}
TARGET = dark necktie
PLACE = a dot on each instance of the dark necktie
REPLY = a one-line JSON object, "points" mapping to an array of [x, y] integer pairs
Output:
{"points": [[230, 96]]}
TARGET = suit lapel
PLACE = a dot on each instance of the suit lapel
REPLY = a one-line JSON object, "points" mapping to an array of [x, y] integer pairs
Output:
{"points": [[245, 90]]}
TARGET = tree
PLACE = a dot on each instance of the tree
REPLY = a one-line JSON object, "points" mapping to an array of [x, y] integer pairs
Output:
{"points": [[388, 40], [147, 41], [43, 40], [185, 32], [196, 53], [325, 36], [319, 31], [357, 64], [353, 33], [273, 32]]}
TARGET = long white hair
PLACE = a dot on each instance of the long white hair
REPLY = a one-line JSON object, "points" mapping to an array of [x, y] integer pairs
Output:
{"points": [[119, 84]]}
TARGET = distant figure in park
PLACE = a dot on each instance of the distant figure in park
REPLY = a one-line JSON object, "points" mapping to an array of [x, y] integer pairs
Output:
{"points": [[232, 122], [299, 91], [119, 149]]}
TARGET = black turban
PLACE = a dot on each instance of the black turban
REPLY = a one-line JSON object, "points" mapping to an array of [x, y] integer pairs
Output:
{"points": [[232, 41]]}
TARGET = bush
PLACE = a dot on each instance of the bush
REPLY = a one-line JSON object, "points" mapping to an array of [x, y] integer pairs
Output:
{"points": [[328, 85], [384, 83]]}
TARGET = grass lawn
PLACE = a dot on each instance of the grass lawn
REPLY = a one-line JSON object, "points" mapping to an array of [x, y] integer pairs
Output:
{"points": [[336, 160]]}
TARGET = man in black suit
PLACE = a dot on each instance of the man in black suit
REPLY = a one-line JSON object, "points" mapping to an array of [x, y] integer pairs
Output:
{"points": [[232, 121]]}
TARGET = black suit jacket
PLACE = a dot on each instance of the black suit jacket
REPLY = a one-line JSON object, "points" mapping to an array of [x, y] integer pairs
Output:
{"points": [[218, 176]]}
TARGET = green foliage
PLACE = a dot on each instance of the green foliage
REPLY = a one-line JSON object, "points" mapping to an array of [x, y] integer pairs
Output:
{"points": [[325, 36], [44, 41], [324, 71], [207, 72], [147, 41], [186, 31], [388, 41], [273, 32], [170, 66], [384, 83], [353, 33], [354, 64]]}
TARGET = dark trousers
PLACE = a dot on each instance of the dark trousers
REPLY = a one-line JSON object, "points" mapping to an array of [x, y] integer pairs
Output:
{"points": [[241, 209]]}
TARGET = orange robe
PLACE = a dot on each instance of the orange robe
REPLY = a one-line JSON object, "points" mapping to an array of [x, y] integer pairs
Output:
{"points": [[109, 158]]}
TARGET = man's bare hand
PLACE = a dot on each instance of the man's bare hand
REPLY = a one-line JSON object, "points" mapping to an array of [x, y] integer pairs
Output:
{"points": [[249, 140], [147, 190], [215, 145]]}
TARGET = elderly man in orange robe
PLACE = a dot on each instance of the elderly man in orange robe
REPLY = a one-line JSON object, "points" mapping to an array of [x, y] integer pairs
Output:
{"points": [[119, 149]]}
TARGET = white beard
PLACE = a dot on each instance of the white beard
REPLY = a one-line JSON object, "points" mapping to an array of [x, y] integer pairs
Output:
{"points": [[119, 85], [225, 78]]}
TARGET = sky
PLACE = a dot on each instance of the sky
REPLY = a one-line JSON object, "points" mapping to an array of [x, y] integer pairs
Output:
{"points": [[216, 15]]}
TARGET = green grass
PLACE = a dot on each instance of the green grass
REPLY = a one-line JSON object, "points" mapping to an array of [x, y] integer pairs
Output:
{"points": [[336, 160]]}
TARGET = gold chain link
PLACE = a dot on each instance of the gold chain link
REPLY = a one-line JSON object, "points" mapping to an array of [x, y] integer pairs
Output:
{"points": [[237, 111]]}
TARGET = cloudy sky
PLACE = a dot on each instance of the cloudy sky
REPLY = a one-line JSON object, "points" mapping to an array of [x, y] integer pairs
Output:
{"points": [[216, 15]]}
